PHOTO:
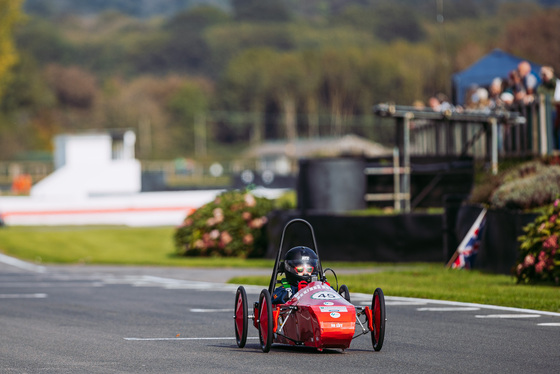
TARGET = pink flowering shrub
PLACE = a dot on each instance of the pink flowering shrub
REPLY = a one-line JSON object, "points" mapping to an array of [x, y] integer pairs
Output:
{"points": [[539, 258], [231, 225]]}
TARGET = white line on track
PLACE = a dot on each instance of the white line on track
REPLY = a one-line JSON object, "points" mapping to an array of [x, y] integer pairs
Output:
{"points": [[210, 310], [162, 339], [22, 264], [504, 316], [57, 284], [448, 309], [23, 296], [398, 302], [549, 324]]}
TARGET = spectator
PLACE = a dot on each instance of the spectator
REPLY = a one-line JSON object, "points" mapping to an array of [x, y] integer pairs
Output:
{"points": [[440, 103], [494, 92], [515, 87], [434, 103], [550, 86], [507, 99], [528, 80], [480, 99]]}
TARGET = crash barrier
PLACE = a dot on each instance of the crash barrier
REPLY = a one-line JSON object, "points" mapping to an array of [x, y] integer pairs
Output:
{"points": [[499, 247], [338, 185], [392, 238]]}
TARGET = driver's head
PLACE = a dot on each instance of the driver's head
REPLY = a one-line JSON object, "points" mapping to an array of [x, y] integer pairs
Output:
{"points": [[300, 263]]}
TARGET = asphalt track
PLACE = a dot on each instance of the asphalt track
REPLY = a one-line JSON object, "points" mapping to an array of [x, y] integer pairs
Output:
{"points": [[60, 319]]}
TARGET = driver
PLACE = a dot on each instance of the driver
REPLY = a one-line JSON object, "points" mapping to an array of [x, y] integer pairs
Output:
{"points": [[300, 264]]}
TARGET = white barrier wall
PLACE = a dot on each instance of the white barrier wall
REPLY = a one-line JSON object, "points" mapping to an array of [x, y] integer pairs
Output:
{"points": [[141, 209]]}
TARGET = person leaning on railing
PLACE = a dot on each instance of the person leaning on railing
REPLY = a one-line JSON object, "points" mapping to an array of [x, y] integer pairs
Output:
{"points": [[550, 86]]}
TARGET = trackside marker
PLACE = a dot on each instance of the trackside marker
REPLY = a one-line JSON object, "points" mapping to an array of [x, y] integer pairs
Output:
{"points": [[210, 310], [448, 309], [504, 316], [549, 324], [398, 302], [163, 339], [23, 296], [21, 264]]}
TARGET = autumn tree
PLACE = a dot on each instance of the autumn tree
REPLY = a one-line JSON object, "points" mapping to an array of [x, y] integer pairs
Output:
{"points": [[10, 15], [536, 38], [73, 86]]}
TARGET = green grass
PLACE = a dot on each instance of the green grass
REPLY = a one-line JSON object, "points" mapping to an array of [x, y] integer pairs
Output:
{"points": [[433, 281], [105, 245], [154, 246]]}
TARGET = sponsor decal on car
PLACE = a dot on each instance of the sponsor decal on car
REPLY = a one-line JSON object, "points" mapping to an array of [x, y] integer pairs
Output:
{"points": [[328, 309], [335, 315]]}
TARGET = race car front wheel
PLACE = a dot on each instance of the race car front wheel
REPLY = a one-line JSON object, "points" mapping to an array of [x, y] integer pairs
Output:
{"points": [[343, 291], [241, 316], [378, 312], [266, 324]]}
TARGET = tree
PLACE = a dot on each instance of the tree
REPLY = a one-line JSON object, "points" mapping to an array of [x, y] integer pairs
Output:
{"points": [[310, 90], [339, 81], [536, 38], [189, 105], [73, 86], [287, 77], [261, 10], [10, 15], [247, 83], [186, 49], [388, 21]]}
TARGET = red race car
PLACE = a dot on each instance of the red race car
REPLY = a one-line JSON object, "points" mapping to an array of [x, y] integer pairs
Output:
{"points": [[316, 314]]}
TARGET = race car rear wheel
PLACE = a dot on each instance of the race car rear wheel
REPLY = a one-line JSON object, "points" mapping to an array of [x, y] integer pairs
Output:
{"points": [[378, 312], [266, 324], [241, 315], [343, 291]]}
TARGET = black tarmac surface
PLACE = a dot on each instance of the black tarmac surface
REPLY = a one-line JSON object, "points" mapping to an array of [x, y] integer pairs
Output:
{"points": [[82, 319]]}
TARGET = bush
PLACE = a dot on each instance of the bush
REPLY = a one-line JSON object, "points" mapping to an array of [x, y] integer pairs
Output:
{"points": [[532, 190], [232, 225], [539, 258], [527, 186]]}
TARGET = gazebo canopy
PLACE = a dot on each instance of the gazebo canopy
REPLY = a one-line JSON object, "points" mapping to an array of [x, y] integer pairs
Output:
{"points": [[496, 64]]}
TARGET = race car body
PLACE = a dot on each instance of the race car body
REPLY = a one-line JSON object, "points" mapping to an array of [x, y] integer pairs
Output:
{"points": [[318, 315]]}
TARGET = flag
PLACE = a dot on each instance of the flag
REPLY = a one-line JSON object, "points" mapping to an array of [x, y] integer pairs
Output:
{"points": [[468, 249]]}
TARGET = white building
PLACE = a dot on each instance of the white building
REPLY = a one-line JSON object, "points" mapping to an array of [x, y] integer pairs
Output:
{"points": [[92, 164]]}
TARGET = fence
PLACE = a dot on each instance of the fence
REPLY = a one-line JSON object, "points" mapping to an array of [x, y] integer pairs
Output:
{"points": [[481, 134]]}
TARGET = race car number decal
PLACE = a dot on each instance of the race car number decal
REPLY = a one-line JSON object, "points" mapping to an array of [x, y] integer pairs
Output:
{"points": [[322, 295], [325, 295]]}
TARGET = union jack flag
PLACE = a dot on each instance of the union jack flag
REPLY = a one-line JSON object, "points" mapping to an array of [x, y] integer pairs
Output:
{"points": [[468, 249]]}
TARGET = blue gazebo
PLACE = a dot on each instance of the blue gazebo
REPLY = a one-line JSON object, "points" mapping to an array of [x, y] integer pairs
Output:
{"points": [[495, 64]]}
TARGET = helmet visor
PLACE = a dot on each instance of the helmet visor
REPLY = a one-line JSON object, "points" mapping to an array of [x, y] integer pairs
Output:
{"points": [[305, 269], [299, 267]]}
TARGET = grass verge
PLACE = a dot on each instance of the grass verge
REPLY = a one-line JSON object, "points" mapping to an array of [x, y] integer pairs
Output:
{"points": [[433, 281], [154, 246], [105, 245]]}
